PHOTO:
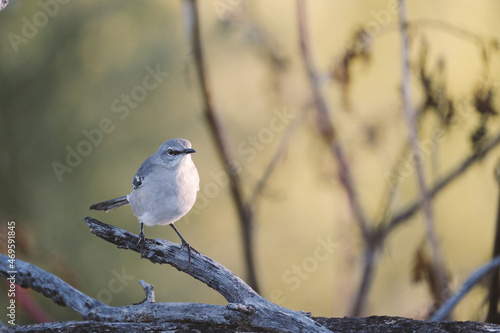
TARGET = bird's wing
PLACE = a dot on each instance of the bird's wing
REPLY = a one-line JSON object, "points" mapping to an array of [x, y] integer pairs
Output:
{"points": [[143, 172], [137, 181]]}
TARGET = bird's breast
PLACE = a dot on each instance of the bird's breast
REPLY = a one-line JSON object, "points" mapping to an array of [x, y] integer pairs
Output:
{"points": [[166, 196]]}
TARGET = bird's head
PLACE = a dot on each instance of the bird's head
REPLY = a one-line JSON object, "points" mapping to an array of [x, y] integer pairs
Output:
{"points": [[173, 151]]}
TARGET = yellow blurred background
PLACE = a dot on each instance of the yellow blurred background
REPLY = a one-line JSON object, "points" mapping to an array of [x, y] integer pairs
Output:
{"points": [[70, 68]]}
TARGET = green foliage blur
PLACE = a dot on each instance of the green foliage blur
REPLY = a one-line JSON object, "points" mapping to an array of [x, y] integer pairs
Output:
{"points": [[89, 89]]}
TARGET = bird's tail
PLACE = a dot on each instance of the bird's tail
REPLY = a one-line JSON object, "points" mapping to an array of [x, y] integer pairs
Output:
{"points": [[110, 204]]}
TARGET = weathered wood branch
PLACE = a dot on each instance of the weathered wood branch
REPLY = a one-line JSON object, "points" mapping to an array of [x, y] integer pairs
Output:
{"points": [[30, 276], [249, 306], [245, 312], [375, 324], [246, 308], [160, 251]]}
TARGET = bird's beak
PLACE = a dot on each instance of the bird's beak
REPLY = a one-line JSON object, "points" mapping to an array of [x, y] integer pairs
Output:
{"points": [[189, 151]]}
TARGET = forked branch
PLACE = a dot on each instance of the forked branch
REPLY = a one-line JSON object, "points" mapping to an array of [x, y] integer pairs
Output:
{"points": [[245, 307]]}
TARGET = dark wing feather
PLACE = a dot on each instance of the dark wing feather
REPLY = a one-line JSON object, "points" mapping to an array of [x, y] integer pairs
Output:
{"points": [[144, 170]]}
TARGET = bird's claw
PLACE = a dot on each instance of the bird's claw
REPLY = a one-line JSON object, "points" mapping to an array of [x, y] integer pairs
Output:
{"points": [[142, 238], [189, 248]]}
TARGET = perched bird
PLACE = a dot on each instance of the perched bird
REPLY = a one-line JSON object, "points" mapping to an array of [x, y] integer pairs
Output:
{"points": [[164, 188]]}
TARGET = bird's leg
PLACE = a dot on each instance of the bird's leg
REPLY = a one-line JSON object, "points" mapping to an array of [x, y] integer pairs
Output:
{"points": [[142, 237], [184, 243]]}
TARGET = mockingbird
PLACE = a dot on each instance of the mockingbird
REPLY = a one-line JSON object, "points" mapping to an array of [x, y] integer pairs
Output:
{"points": [[164, 188]]}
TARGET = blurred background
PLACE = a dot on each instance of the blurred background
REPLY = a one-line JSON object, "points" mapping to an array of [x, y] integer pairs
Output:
{"points": [[90, 89]]}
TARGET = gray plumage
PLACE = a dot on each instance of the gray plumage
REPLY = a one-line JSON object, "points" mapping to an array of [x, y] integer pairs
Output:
{"points": [[164, 187]]}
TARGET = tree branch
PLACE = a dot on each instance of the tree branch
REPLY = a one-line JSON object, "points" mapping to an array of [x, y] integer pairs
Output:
{"points": [[278, 154], [325, 126], [410, 210], [245, 306], [221, 141], [494, 292], [383, 231], [241, 297], [160, 251], [438, 270], [473, 279], [30, 276], [250, 312]]}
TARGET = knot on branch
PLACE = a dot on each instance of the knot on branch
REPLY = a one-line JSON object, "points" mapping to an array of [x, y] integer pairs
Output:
{"points": [[246, 309]]}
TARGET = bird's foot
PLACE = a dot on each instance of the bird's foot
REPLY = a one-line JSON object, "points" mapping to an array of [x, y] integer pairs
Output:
{"points": [[142, 239], [189, 248]]}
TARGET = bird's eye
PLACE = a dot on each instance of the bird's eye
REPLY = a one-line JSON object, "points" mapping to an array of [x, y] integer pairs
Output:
{"points": [[170, 151]]}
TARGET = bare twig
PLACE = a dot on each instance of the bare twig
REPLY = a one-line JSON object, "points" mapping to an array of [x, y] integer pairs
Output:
{"points": [[370, 254], [494, 292], [438, 266], [149, 290], [278, 155], [473, 279], [482, 43], [375, 242], [411, 209], [383, 231], [325, 126], [222, 143]]}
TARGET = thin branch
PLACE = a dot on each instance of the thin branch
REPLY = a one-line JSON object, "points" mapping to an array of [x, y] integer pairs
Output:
{"points": [[473, 279], [375, 242], [393, 178], [483, 43], [392, 181], [494, 292], [438, 266], [404, 214], [370, 254], [278, 155], [325, 126], [149, 290], [222, 142], [383, 231]]}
